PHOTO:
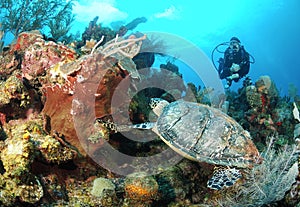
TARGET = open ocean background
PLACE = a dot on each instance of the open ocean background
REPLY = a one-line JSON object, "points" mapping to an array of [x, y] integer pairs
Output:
{"points": [[269, 29]]}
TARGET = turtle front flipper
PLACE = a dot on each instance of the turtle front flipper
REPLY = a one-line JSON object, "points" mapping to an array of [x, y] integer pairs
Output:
{"points": [[223, 177], [108, 123], [114, 128], [146, 125]]}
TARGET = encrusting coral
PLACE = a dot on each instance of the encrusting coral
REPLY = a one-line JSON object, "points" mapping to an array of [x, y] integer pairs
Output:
{"points": [[25, 142]]}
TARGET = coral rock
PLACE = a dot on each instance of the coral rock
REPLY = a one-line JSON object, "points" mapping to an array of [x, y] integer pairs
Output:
{"points": [[100, 185]]}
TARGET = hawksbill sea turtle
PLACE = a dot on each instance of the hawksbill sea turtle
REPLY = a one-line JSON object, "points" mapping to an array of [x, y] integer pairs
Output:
{"points": [[205, 134]]}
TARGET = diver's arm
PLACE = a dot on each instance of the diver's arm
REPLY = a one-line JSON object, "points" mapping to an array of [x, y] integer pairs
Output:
{"points": [[224, 72], [227, 61], [244, 69], [244, 65]]}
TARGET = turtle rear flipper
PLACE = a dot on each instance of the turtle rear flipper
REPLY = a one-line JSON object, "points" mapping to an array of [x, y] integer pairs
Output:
{"points": [[223, 177]]}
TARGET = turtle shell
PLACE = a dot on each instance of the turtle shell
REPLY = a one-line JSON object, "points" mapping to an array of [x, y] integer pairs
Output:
{"points": [[206, 134]]}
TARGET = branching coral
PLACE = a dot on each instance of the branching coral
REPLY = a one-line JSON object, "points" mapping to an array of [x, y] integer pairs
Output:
{"points": [[24, 15], [60, 24], [125, 48]]}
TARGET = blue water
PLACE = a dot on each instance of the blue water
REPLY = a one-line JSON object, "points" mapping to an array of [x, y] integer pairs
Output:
{"points": [[268, 29]]}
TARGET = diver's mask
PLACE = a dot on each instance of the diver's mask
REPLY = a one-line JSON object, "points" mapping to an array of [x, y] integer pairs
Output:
{"points": [[235, 46]]}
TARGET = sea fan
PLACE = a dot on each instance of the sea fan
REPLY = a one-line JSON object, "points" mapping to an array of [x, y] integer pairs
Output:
{"points": [[268, 182]]}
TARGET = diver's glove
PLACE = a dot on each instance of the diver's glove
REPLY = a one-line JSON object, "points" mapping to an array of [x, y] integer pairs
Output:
{"points": [[228, 84], [233, 76], [235, 68]]}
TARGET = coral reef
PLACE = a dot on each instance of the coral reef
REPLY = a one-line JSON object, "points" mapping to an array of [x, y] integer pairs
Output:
{"points": [[35, 74], [139, 108], [203, 95], [95, 32], [52, 96], [292, 92], [25, 141], [15, 98], [33, 55], [262, 112], [23, 70]]}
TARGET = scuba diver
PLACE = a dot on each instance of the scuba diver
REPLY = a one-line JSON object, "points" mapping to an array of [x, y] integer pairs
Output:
{"points": [[236, 62]]}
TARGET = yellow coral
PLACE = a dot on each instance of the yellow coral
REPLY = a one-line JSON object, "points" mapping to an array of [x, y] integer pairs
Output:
{"points": [[53, 151], [16, 157], [89, 44], [139, 187], [50, 144], [139, 192], [56, 74], [26, 136], [31, 193]]}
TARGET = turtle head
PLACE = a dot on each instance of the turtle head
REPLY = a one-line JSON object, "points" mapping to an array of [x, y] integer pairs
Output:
{"points": [[157, 105]]}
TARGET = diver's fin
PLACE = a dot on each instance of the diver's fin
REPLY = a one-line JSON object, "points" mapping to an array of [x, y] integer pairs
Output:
{"points": [[223, 177], [146, 125]]}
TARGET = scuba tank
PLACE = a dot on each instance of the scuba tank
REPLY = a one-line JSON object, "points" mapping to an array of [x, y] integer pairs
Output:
{"points": [[221, 60]]}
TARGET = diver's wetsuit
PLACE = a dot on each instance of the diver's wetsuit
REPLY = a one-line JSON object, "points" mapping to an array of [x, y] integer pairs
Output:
{"points": [[241, 58]]}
